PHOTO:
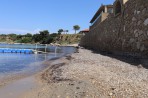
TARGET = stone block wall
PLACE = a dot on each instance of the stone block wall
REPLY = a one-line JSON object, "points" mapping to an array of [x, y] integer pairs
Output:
{"points": [[124, 33]]}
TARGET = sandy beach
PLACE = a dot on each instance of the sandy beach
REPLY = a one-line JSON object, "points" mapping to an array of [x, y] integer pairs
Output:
{"points": [[89, 75]]}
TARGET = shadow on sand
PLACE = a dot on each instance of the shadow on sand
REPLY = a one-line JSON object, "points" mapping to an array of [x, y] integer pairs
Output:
{"points": [[138, 61]]}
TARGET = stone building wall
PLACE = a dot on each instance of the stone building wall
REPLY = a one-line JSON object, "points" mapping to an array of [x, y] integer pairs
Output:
{"points": [[123, 33]]}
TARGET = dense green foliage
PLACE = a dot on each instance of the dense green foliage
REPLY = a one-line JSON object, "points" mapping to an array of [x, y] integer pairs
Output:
{"points": [[43, 37]]}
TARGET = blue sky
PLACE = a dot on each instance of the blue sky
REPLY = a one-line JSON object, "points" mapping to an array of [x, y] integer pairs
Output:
{"points": [[23, 16]]}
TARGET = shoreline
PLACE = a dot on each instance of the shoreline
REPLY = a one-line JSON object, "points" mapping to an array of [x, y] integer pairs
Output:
{"points": [[16, 83], [9, 78], [43, 78], [89, 75]]}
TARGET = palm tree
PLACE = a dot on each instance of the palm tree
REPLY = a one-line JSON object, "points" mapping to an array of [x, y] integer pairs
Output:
{"points": [[66, 31], [76, 27], [60, 31]]}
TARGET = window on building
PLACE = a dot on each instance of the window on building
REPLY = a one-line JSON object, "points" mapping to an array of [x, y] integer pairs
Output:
{"points": [[110, 10], [117, 8]]}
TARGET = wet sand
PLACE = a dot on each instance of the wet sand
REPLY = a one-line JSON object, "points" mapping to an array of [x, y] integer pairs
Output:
{"points": [[8, 78], [11, 78], [17, 88]]}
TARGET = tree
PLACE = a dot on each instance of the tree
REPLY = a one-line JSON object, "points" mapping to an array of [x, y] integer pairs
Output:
{"points": [[44, 33], [12, 36], [26, 40], [28, 35], [37, 37], [19, 37], [41, 37], [76, 27], [49, 40], [66, 31], [60, 31], [54, 35]]}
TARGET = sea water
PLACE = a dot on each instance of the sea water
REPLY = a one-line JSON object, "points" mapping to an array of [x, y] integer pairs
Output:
{"points": [[17, 63]]}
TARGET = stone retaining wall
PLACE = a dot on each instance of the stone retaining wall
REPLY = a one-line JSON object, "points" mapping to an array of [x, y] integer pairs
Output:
{"points": [[124, 33]]}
